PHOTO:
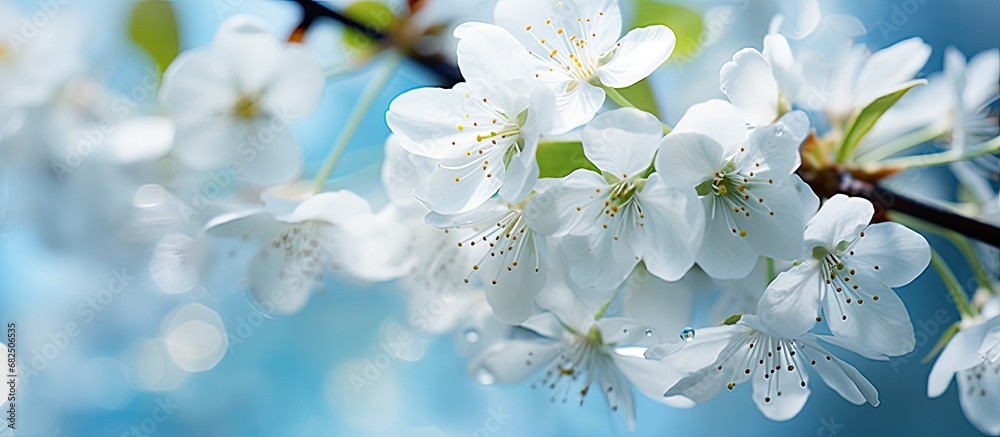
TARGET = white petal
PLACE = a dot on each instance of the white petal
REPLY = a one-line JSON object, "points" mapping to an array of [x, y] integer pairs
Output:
{"points": [[961, 353], [426, 120], [776, 147], [507, 362], [776, 236], [622, 331], [512, 296], [622, 142], [489, 53], [675, 222], [652, 378], [253, 54], [638, 54], [208, 142], [900, 253], [981, 76], [783, 66], [840, 376], [297, 85], [599, 260], [270, 156], [792, 397], [520, 178], [749, 83], [554, 212], [723, 255], [254, 222], [841, 218], [689, 158], [459, 183], [887, 69], [667, 307], [799, 18], [980, 397], [874, 328], [337, 208], [717, 119], [197, 83], [545, 324], [791, 302], [576, 104]]}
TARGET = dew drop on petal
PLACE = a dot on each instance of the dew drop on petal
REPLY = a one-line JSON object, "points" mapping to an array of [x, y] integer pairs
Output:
{"points": [[485, 377], [649, 333], [687, 334], [471, 335]]}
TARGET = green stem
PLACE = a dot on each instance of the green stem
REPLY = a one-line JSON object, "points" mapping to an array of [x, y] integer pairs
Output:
{"points": [[771, 271], [988, 148], [625, 103], [961, 242], [957, 293], [364, 104], [901, 144]]}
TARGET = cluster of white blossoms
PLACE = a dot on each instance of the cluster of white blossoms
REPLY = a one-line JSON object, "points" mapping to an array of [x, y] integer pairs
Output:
{"points": [[564, 277]]}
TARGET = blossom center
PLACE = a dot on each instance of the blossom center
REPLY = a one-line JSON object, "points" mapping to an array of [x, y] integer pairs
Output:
{"points": [[246, 107], [565, 46]]}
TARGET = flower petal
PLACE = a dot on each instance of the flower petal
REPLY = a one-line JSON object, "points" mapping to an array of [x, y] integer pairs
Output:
{"points": [[840, 376], [508, 361], [791, 302], [674, 219], [980, 398], [689, 158], [749, 83], [489, 53], [900, 253], [886, 70], [780, 398], [638, 54], [961, 353], [297, 85], [622, 142], [841, 218], [717, 119], [603, 21], [555, 212], [271, 155]]}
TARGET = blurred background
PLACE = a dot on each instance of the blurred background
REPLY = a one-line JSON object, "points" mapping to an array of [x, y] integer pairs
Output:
{"points": [[103, 348]]}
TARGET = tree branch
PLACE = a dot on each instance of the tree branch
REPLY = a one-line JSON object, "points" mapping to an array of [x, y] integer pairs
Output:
{"points": [[447, 73]]}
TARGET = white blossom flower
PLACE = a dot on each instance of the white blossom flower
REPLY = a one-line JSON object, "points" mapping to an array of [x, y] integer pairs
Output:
{"points": [[746, 185], [508, 257], [297, 247], [233, 101], [973, 358], [849, 271], [578, 347], [484, 133], [625, 215], [777, 366], [575, 49], [34, 66]]}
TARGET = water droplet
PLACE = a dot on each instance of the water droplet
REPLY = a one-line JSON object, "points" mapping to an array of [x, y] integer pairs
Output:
{"points": [[485, 377], [649, 333], [625, 331], [687, 334], [779, 132], [471, 335]]}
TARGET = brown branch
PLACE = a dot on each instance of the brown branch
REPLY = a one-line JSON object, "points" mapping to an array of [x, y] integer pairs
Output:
{"points": [[447, 73]]}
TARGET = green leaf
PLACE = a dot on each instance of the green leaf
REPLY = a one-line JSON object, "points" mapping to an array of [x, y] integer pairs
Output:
{"points": [[559, 159], [686, 24], [641, 95], [373, 14], [731, 320], [867, 118], [154, 28]]}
